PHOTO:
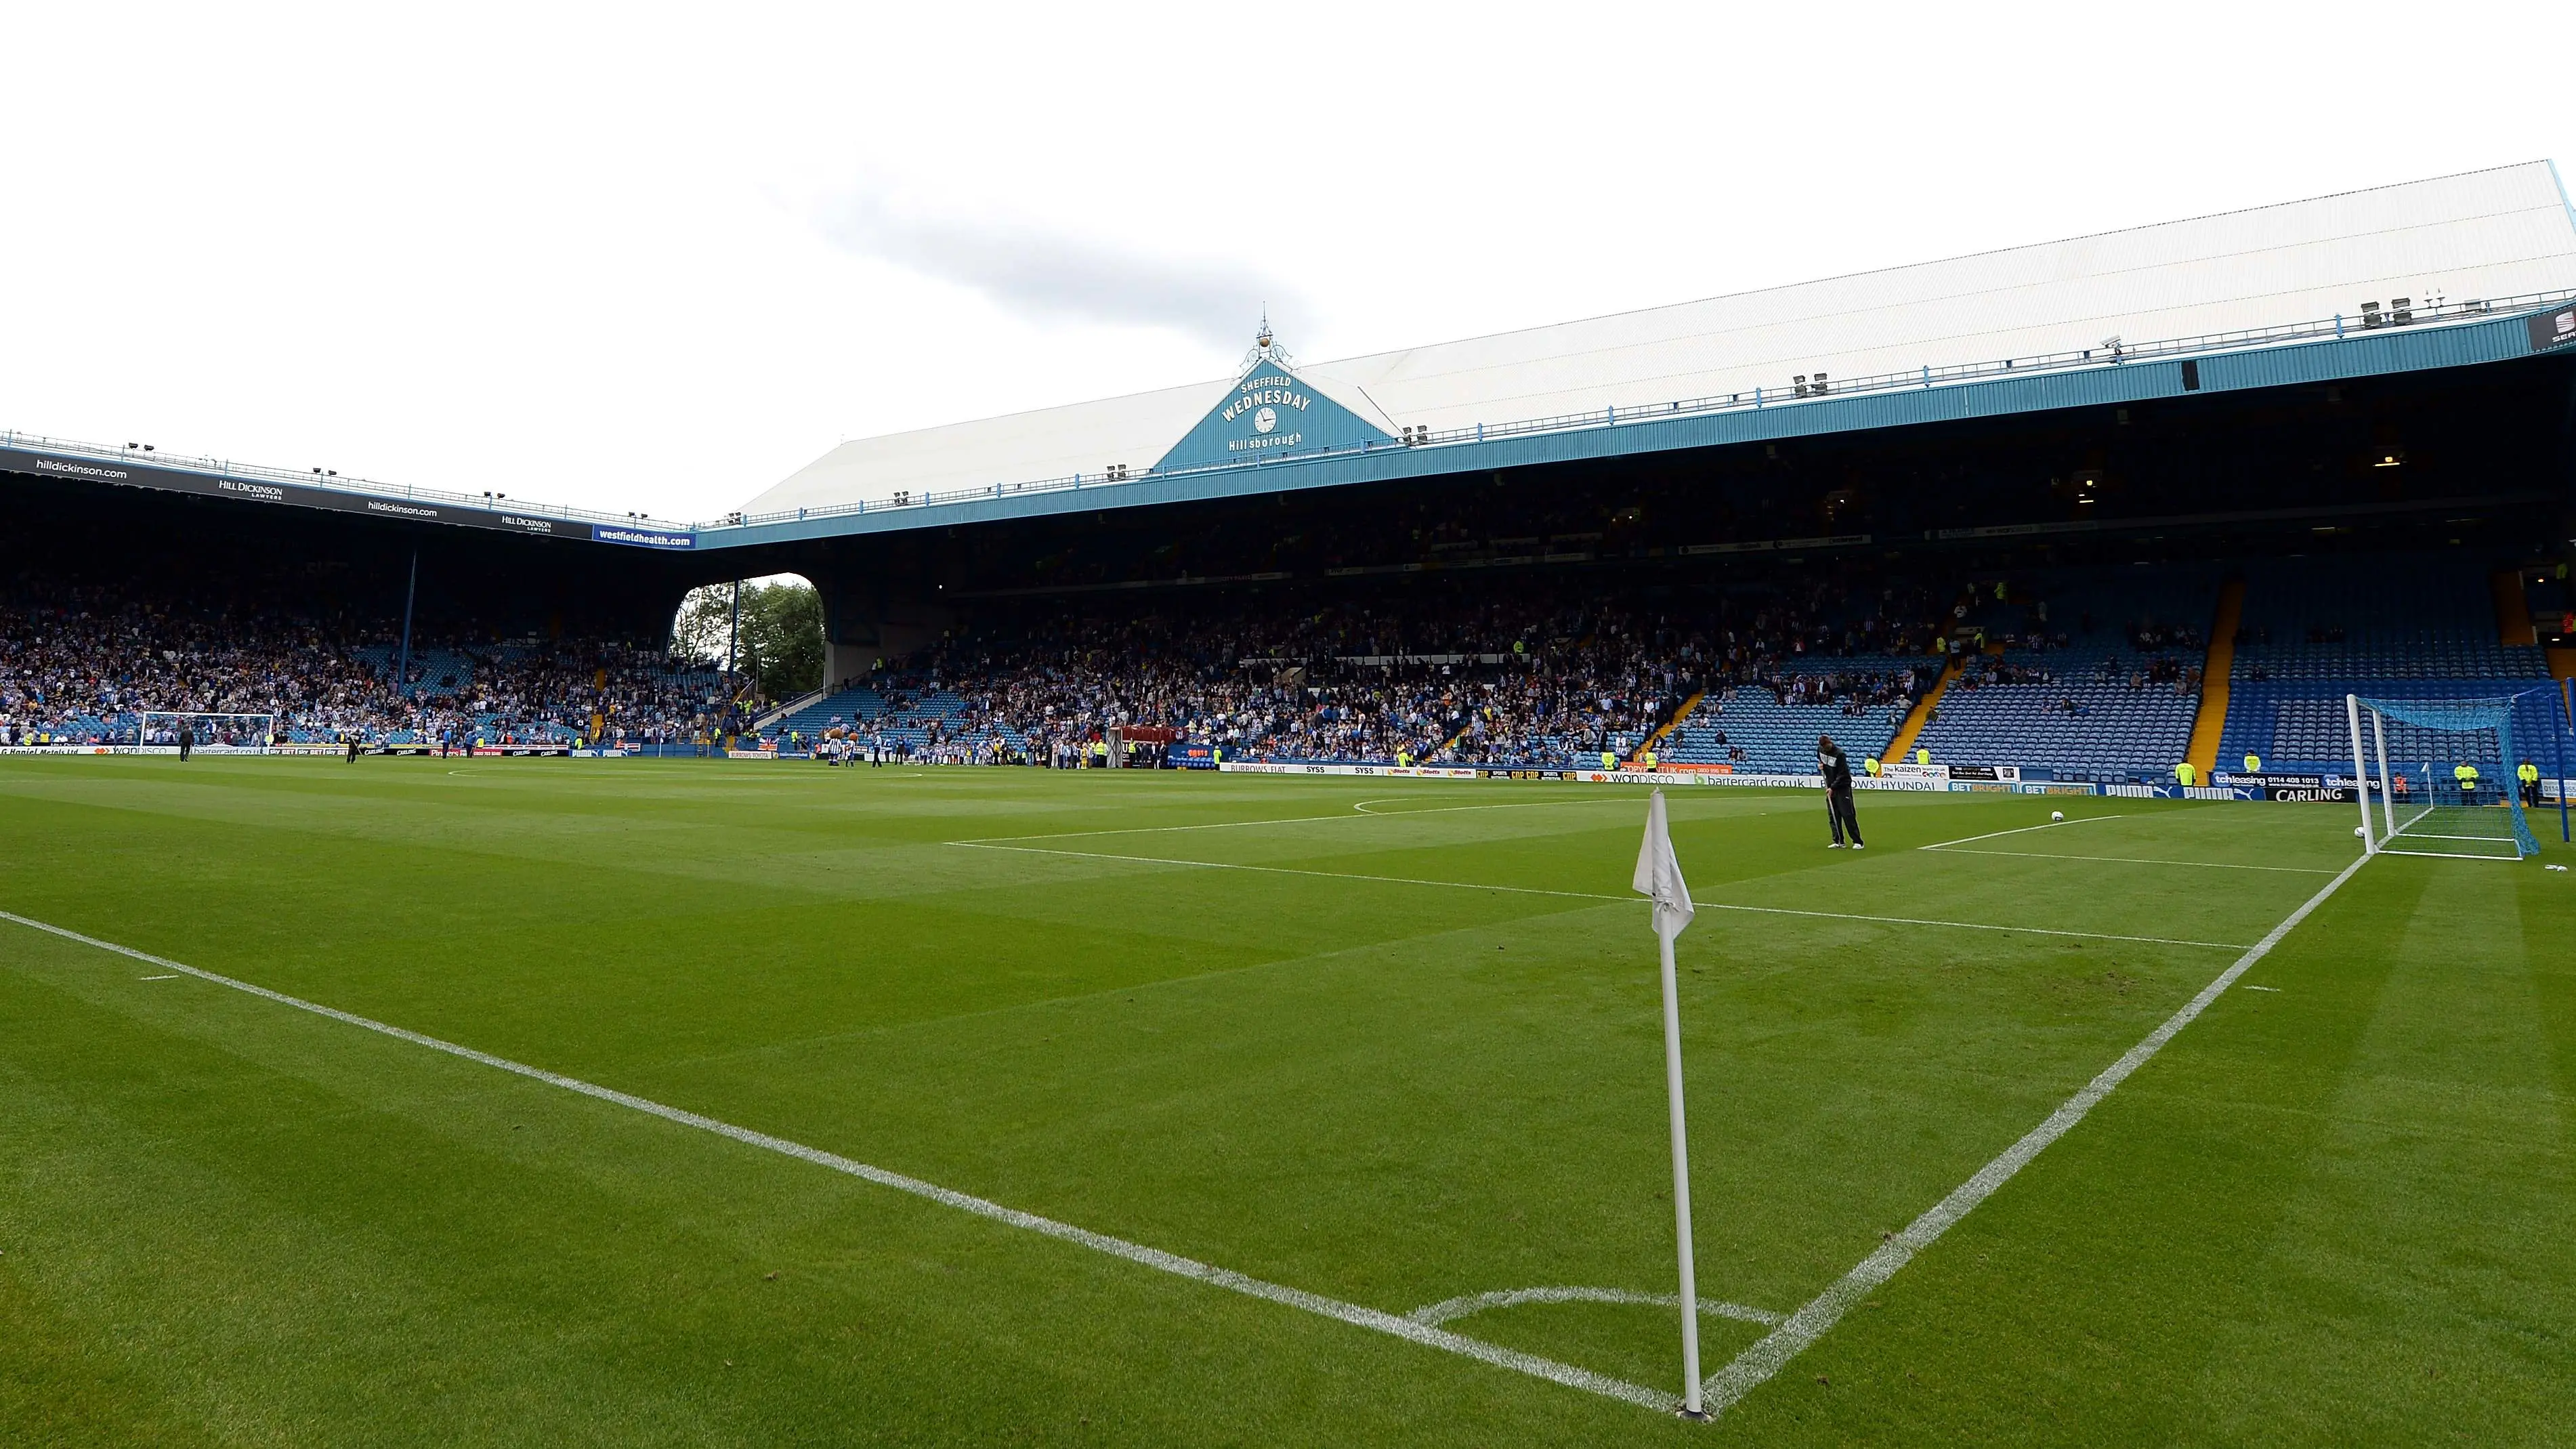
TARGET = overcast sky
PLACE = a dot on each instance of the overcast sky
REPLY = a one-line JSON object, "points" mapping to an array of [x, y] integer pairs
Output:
{"points": [[632, 258]]}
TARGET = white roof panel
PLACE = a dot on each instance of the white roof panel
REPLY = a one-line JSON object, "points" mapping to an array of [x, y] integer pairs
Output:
{"points": [[2498, 233]]}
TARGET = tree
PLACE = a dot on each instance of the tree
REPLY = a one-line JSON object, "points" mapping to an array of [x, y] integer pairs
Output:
{"points": [[781, 635]]}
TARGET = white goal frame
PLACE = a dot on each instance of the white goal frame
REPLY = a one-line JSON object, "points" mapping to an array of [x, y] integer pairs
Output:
{"points": [[267, 730], [2418, 820]]}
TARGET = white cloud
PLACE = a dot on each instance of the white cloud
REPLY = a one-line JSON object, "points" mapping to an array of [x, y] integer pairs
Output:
{"points": [[1047, 271]]}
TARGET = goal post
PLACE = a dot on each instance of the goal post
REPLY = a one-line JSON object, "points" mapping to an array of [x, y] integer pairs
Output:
{"points": [[211, 730], [2447, 773]]}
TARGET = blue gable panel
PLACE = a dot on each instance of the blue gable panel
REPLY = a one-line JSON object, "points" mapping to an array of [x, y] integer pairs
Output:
{"points": [[1270, 414]]}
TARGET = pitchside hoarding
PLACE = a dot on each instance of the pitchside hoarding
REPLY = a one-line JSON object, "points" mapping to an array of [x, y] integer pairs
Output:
{"points": [[123, 473], [2270, 785]]}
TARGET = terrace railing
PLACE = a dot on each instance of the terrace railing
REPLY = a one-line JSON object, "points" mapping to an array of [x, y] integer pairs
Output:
{"points": [[2116, 353]]}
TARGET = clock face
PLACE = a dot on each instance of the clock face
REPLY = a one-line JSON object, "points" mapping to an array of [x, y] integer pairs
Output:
{"points": [[1264, 420]]}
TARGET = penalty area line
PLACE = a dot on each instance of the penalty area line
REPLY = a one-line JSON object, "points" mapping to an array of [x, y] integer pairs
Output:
{"points": [[2136, 860], [1298, 819], [1396, 1325], [2019, 830], [1757, 1364], [1468, 885]]}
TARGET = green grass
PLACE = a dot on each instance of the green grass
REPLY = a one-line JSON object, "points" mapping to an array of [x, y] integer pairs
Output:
{"points": [[1415, 1055]]}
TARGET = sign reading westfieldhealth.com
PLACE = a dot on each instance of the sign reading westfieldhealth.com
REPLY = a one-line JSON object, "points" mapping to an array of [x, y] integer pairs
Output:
{"points": [[122, 473]]}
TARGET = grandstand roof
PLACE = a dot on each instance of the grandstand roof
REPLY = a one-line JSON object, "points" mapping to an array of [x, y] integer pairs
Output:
{"points": [[2506, 232]]}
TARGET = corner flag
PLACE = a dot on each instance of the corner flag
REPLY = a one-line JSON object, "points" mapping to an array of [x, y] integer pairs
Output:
{"points": [[1659, 876]]}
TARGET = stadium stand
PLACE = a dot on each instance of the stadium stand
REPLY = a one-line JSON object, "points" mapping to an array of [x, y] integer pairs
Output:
{"points": [[2093, 677], [80, 668], [2405, 626], [2085, 675]]}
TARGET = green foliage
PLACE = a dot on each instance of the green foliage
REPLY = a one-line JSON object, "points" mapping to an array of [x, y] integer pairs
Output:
{"points": [[781, 637], [1394, 1057]]}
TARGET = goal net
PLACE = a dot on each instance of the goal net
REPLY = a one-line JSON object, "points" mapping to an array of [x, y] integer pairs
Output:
{"points": [[2444, 776], [236, 734]]}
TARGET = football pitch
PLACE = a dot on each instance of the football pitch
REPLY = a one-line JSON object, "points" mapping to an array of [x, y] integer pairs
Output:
{"points": [[631, 1103]]}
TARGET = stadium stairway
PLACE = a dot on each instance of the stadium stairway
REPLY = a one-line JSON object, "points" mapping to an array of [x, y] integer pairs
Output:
{"points": [[2211, 722], [781, 717], [1775, 737], [2120, 727], [813, 715], [2513, 611], [1667, 727], [1902, 742]]}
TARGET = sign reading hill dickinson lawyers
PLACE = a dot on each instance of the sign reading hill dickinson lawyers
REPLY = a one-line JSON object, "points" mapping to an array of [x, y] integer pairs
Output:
{"points": [[1270, 412]]}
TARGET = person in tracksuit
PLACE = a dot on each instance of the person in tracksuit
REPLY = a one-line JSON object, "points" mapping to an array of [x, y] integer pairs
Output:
{"points": [[1836, 768]]}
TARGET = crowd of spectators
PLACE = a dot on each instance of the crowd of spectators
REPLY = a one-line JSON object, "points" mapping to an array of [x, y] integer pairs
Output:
{"points": [[1538, 677], [81, 667], [1529, 672]]}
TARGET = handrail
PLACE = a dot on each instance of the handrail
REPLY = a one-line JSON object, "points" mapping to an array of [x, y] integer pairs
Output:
{"points": [[2118, 354]]}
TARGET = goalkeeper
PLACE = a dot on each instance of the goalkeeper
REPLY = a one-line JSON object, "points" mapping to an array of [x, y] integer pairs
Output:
{"points": [[1835, 766]]}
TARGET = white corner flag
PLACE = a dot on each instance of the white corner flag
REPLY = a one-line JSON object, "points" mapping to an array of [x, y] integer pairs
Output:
{"points": [[1659, 876]]}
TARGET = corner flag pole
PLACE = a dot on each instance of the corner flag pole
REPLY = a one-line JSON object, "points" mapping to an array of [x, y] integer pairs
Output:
{"points": [[1659, 876]]}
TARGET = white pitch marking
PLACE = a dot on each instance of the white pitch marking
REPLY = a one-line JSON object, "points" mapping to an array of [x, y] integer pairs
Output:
{"points": [[1454, 1308], [1427, 1335], [157, 978], [1293, 819], [1758, 1363], [2137, 859], [1464, 885], [2262, 988], [2019, 829]]}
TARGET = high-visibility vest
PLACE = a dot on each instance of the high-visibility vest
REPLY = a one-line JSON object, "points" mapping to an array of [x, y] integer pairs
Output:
{"points": [[1870, 764], [1609, 761], [2185, 773], [2529, 773], [1922, 757], [2253, 764], [1650, 759]]}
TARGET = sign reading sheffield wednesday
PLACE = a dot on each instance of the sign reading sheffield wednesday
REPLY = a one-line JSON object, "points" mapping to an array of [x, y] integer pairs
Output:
{"points": [[1269, 413]]}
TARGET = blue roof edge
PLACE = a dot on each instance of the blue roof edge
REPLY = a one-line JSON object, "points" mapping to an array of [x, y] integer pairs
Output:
{"points": [[2371, 354]]}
